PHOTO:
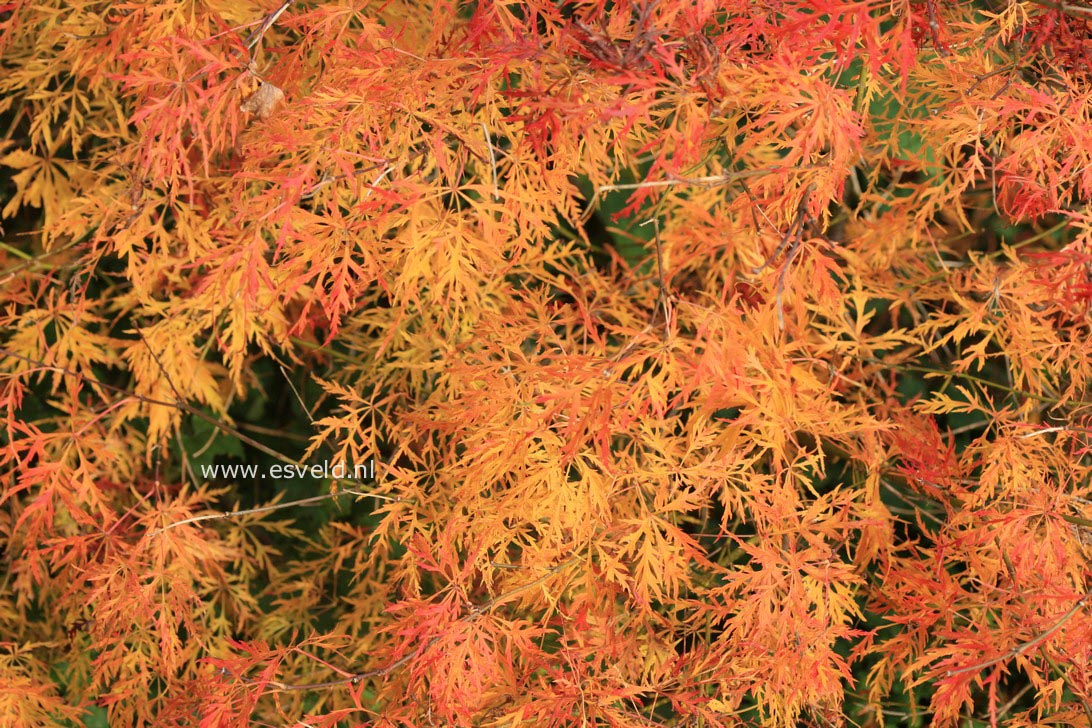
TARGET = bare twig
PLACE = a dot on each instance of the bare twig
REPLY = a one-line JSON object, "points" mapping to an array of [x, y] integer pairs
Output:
{"points": [[1030, 644], [665, 302], [251, 41], [273, 432], [791, 240], [471, 615], [265, 509], [492, 162], [158, 363], [756, 208], [296, 392], [35, 260], [660, 274], [184, 406], [1044, 431], [255, 37], [791, 237], [708, 181], [43, 366], [376, 181], [1079, 11]]}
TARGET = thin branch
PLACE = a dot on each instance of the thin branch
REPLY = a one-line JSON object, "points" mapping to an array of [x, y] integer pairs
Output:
{"points": [[159, 363], [265, 509], [251, 42], [1025, 646], [14, 251], [178, 396], [1079, 11], [472, 614], [708, 181], [492, 162], [756, 206], [255, 38], [43, 366], [792, 235], [380, 178], [181, 405], [967, 376], [664, 300], [38, 259], [329, 178], [1044, 431], [296, 392], [790, 239], [272, 432]]}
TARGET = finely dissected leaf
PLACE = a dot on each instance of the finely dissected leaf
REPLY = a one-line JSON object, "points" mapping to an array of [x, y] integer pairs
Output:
{"points": [[650, 363]]}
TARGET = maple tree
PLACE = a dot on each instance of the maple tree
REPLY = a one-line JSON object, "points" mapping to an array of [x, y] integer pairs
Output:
{"points": [[724, 363]]}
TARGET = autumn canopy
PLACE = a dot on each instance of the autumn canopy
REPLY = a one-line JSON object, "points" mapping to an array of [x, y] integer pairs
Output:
{"points": [[688, 363]]}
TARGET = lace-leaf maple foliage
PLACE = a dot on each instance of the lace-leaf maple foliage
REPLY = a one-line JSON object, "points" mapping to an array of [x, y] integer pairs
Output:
{"points": [[723, 363]]}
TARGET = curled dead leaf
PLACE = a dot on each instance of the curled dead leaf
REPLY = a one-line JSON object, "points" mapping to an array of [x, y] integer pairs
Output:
{"points": [[264, 101]]}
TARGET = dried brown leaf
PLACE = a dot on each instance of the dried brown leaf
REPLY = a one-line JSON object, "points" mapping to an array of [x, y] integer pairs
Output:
{"points": [[264, 101]]}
